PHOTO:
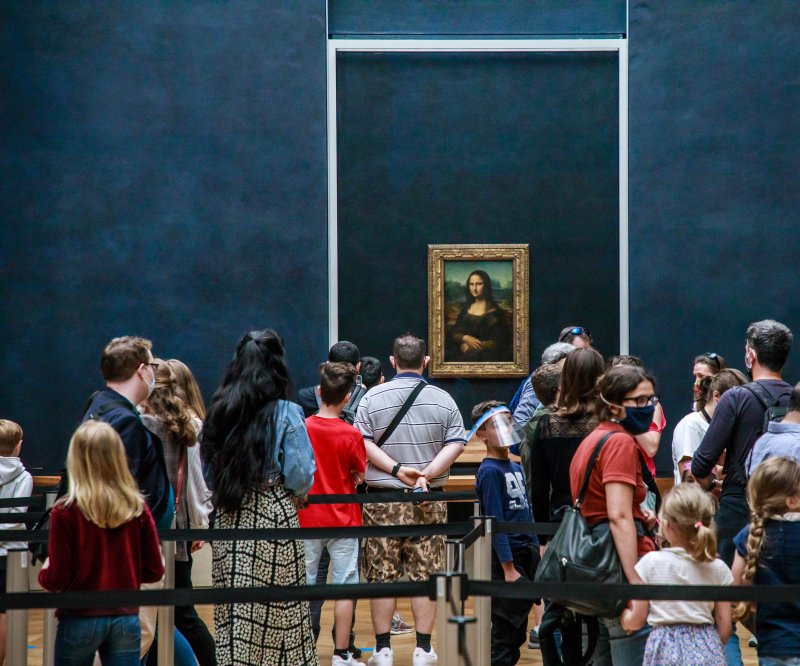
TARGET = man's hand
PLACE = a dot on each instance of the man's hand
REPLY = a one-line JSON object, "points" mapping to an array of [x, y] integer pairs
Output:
{"points": [[299, 502], [408, 475], [197, 545]]}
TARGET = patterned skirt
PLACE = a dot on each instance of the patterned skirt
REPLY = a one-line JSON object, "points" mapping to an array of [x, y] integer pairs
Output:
{"points": [[673, 644], [274, 633]]}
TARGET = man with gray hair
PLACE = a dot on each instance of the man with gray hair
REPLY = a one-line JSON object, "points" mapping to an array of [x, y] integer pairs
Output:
{"points": [[526, 402]]}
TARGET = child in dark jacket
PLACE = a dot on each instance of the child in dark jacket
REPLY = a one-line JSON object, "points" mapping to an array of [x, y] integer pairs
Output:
{"points": [[500, 485]]}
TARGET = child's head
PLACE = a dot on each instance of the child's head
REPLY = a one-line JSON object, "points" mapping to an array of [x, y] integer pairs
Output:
{"points": [[335, 382], [687, 515], [10, 438], [545, 381], [773, 489], [494, 426], [99, 479]]}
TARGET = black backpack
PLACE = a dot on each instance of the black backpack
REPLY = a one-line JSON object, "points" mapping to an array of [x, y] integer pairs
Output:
{"points": [[773, 411], [348, 414]]}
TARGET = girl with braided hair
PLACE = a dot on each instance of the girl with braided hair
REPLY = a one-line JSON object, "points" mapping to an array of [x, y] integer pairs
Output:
{"points": [[768, 553], [684, 632]]}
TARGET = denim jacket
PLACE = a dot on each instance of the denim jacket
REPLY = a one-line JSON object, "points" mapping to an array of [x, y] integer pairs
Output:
{"points": [[292, 463]]}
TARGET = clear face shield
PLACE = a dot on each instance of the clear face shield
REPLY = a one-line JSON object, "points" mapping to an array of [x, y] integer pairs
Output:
{"points": [[499, 428]]}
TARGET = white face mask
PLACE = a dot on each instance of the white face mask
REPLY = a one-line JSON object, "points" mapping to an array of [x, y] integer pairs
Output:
{"points": [[152, 383]]}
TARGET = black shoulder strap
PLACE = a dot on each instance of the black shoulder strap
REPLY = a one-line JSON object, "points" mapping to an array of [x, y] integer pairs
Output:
{"points": [[762, 394], [403, 411], [649, 481], [589, 468]]}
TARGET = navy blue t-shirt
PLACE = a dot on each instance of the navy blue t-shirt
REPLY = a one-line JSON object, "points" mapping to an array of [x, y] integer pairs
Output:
{"points": [[500, 485], [777, 624]]}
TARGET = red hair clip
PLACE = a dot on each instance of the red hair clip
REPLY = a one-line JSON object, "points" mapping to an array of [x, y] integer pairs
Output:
{"points": [[698, 525]]}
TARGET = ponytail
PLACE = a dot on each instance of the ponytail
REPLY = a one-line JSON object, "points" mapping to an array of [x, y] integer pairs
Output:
{"points": [[704, 544], [690, 512]]}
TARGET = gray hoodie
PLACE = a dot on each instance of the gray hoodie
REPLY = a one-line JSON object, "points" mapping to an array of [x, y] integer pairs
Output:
{"points": [[15, 481]]}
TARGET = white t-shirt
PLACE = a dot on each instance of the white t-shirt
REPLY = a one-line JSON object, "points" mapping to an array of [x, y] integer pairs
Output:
{"points": [[674, 566], [686, 438]]}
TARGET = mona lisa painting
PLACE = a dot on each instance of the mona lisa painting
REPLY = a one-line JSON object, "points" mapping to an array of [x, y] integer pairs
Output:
{"points": [[478, 310]]}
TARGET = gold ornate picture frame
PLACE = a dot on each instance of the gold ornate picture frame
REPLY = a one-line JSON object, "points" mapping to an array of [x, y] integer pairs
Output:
{"points": [[478, 310]]}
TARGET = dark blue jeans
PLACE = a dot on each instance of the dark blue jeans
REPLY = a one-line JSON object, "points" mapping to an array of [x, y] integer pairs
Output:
{"points": [[115, 637]]}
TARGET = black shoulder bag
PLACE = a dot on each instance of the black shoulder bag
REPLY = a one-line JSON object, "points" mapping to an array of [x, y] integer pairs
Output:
{"points": [[576, 554]]}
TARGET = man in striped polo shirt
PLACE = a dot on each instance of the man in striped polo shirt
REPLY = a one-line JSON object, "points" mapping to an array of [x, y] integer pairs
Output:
{"points": [[417, 454]]}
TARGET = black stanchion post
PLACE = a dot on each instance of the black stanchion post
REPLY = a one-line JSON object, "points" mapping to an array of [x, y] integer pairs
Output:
{"points": [[49, 620], [17, 620], [481, 643], [166, 614]]}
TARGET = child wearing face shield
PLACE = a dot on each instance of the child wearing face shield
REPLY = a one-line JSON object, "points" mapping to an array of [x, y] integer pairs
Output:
{"points": [[500, 485]]}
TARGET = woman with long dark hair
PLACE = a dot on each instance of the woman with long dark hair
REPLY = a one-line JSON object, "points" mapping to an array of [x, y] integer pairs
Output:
{"points": [[481, 331], [260, 464]]}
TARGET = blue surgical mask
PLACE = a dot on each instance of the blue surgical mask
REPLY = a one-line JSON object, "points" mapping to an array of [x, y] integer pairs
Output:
{"points": [[638, 419]]}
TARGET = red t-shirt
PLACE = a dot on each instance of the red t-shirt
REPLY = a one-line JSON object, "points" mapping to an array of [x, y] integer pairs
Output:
{"points": [[338, 449], [618, 462]]}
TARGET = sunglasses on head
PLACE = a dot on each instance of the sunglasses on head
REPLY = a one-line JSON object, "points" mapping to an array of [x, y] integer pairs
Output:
{"points": [[575, 330], [713, 356]]}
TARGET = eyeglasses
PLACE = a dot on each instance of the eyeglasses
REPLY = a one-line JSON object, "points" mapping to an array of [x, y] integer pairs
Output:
{"points": [[642, 400], [713, 356], [152, 366], [575, 330]]}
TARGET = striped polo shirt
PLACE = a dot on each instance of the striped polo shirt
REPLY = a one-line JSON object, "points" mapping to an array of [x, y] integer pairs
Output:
{"points": [[432, 423]]}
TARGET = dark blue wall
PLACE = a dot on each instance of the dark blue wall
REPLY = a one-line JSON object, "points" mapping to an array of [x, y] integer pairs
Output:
{"points": [[477, 148], [714, 189], [163, 174]]}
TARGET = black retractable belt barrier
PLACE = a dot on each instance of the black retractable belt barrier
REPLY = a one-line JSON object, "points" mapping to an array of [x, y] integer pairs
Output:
{"points": [[31, 502], [209, 595], [524, 590]]}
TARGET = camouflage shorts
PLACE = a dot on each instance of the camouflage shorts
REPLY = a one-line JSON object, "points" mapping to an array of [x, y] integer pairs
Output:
{"points": [[386, 560]]}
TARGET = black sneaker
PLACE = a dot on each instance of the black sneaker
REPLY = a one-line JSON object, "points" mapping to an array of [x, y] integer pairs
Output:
{"points": [[533, 639]]}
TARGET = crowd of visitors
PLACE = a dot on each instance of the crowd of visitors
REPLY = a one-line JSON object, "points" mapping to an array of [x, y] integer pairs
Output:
{"points": [[148, 455]]}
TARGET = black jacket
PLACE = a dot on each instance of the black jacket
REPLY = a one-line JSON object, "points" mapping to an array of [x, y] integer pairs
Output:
{"points": [[144, 450]]}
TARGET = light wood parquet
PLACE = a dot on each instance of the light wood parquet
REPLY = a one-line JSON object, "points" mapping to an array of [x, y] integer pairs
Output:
{"points": [[402, 645]]}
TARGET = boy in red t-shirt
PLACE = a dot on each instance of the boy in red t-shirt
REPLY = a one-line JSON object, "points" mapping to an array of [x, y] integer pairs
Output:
{"points": [[341, 462]]}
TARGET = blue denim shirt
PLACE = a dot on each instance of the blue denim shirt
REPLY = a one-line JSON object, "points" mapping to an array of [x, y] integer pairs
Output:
{"points": [[292, 462]]}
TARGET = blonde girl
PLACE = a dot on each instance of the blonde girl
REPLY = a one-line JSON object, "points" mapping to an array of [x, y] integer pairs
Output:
{"points": [[102, 537], [768, 553], [684, 632]]}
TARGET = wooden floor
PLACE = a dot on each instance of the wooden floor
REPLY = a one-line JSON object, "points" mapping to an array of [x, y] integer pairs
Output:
{"points": [[403, 645]]}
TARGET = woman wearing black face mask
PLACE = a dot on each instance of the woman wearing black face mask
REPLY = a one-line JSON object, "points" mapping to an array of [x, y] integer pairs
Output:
{"points": [[624, 409]]}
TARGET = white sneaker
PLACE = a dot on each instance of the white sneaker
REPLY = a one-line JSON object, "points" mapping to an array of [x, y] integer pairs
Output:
{"points": [[350, 661], [422, 658], [382, 657]]}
